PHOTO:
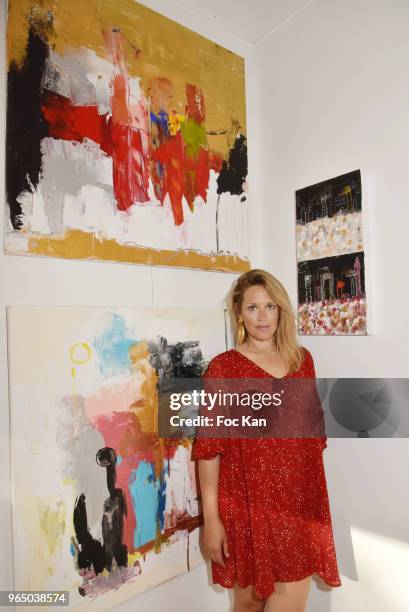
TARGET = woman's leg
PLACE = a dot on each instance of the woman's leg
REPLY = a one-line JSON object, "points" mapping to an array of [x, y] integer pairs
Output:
{"points": [[289, 596], [245, 600]]}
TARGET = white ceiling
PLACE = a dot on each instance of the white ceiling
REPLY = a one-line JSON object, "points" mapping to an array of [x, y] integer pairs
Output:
{"points": [[250, 20]]}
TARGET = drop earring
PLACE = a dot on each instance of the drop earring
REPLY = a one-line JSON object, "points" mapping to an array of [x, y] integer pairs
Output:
{"points": [[240, 331]]}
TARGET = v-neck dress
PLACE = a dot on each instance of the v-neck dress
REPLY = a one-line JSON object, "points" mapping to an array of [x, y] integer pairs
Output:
{"points": [[273, 498]]}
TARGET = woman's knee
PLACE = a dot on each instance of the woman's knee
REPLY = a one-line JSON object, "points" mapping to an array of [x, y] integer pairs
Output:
{"points": [[289, 596], [245, 600]]}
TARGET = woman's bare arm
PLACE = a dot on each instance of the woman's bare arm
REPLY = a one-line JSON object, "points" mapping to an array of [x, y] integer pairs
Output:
{"points": [[209, 484], [215, 538]]}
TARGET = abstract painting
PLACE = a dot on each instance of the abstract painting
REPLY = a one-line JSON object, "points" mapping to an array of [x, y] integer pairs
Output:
{"points": [[104, 507], [125, 138], [330, 258]]}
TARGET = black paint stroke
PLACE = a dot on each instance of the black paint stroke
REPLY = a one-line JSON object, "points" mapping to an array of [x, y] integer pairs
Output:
{"points": [[234, 170], [114, 512], [187, 359], [26, 125], [91, 552]]}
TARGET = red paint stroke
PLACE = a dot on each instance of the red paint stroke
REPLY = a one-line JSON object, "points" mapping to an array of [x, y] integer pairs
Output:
{"points": [[197, 173], [195, 108], [129, 133], [189, 187], [130, 173], [70, 122], [171, 154], [215, 161], [202, 173]]}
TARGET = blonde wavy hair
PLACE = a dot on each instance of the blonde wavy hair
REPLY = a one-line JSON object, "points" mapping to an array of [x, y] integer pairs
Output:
{"points": [[285, 337]]}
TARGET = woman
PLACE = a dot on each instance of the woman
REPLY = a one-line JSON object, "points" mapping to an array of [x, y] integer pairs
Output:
{"points": [[267, 523]]}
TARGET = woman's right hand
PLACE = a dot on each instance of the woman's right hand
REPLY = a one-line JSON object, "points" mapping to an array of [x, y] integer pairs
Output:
{"points": [[215, 540]]}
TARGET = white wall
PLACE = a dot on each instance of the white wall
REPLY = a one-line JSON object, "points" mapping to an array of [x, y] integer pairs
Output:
{"points": [[45, 281], [334, 97]]}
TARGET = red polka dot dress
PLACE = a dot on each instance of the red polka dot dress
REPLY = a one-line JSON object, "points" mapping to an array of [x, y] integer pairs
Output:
{"points": [[273, 498]]}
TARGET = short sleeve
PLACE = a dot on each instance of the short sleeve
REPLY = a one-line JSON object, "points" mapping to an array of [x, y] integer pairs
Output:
{"points": [[208, 447], [310, 367]]}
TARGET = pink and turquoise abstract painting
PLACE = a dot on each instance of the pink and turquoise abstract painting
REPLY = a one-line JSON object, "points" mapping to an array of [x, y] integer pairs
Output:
{"points": [[104, 507]]}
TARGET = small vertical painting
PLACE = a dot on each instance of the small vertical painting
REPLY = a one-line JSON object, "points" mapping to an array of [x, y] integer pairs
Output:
{"points": [[332, 297]]}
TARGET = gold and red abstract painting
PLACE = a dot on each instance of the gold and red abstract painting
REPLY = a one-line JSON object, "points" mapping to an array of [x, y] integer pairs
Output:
{"points": [[126, 138]]}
